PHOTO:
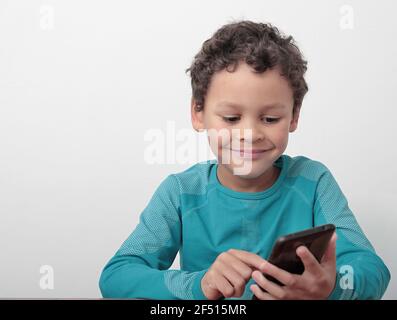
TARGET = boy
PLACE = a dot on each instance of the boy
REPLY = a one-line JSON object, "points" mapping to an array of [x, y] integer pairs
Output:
{"points": [[248, 86]]}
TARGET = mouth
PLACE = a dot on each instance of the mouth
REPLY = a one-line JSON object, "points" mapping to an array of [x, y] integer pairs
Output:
{"points": [[249, 153]]}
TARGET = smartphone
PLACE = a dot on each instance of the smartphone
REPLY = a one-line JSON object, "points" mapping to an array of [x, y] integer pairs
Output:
{"points": [[284, 255]]}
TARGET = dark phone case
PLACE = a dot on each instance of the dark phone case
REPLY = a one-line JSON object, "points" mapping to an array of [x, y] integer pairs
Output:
{"points": [[284, 250]]}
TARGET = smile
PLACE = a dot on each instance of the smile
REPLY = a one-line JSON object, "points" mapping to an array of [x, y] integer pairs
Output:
{"points": [[249, 151], [249, 154]]}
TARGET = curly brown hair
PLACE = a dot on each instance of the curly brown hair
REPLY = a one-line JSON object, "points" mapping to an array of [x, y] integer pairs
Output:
{"points": [[260, 45]]}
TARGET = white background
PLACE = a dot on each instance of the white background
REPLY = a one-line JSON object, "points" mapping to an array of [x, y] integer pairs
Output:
{"points": [[81, 82]]}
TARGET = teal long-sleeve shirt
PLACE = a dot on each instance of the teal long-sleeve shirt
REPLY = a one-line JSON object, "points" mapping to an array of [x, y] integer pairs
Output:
{"points": [[193, 213]]}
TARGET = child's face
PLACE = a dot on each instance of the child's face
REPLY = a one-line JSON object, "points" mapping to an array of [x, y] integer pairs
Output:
{"points": [[241, 100]]}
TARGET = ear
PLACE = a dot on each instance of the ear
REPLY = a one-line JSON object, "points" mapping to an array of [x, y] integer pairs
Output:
{"points": [[197, 117], [294, 122]]}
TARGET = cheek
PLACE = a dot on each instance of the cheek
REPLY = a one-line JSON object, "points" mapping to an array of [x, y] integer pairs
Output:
{"points": [[218, 133], [224, 139], [280, 137], [219, 138]]}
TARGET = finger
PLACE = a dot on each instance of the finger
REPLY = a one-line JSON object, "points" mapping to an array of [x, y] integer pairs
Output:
{"points": [[210, 289], [223, 286], [261, 295], [330, 254], [309, 261], [242, 268], [234, 278], [281, 275], [249, 258], [269, 286]]}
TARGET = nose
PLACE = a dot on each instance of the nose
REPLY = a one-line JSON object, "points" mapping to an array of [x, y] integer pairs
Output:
{"points": [[251, 132]]}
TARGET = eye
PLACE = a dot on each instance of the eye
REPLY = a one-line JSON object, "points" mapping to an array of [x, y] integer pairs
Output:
{"points": [[231, 119], [270, 120]]}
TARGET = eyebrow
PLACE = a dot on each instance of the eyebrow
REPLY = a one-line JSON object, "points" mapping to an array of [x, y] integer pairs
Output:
{"points": [[238, 106]]}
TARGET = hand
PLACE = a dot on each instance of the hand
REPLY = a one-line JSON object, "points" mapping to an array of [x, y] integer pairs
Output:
{"points": [[229, 274], [316, 282]]}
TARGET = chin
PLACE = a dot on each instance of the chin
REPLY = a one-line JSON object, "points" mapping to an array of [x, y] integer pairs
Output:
{"points": [[255, 172], [250, 175]]}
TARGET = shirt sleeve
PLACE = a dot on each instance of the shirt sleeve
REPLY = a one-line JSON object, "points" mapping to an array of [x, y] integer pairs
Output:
{"points": [[139, 269], [361, 273]]}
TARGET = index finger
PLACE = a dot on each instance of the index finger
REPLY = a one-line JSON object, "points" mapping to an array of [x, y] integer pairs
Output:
{"points": [[279, 274], [249, 258], [309, 261]]}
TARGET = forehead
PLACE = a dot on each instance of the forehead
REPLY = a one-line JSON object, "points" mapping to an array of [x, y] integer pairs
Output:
{"points": [[275, 106], [245, 87]]}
